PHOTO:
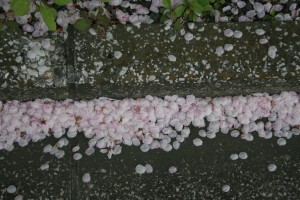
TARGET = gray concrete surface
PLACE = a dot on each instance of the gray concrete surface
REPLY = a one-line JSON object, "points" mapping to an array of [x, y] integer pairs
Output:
{"points": [[202, 171], [20, 77]]}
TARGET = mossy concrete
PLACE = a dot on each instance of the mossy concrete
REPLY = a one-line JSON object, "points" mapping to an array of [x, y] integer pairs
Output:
{"points": [[19, 76], [144, 65], [84, 66]]}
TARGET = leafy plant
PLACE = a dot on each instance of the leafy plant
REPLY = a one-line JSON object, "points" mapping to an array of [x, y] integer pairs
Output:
{"points": [[179, 10], [20, 7], [49, 16], [167, 4], [83, 24], [12, 26], [178, 24], [62, 2], [217, 4], [200, 6], [188, 11]]}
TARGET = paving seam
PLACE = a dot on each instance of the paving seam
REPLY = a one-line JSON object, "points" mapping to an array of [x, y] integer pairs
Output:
{"points": [[71, 80]]}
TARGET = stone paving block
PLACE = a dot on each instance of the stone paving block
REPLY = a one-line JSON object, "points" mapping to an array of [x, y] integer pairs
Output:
{"points": [[30, 65], [145, 54], [21, 168], [202, 171]]}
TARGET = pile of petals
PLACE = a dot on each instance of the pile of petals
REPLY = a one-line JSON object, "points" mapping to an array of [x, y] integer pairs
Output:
{"points": [[149, 122]]}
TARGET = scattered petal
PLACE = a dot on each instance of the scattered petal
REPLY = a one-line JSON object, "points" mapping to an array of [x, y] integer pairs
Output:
{"points": [[228, 47], [263, 41], [225, 188], [219, 50], [243, 155], [281, 142], [272, 167], [272, 51], [197, 142], [172, 170], [44, 166], [92, 31], [75, 149], [117, 54], [86, 178], [19, 197], [228, 33], [188, 36], [140, 169], [149, 168], [11, 189], [237, 34], [171, 58], [234, 156], [77, 156], [260, 31]]}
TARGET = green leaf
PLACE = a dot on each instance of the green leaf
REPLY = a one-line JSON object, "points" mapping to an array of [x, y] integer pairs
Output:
{"points": [[49, 16], [12, 26], [167, 4], [273, 20], [105, 1], [191, 16], [53, 11], [267, 18], [83, 24], [207, 8], [196, 7], [179, 10], [62, 2], [20, 7], [103, 20], [1, 26], [217, 6], [272, 12], [203, 2], [178, 25], [163, 18], [162, 10], [100, 11]]}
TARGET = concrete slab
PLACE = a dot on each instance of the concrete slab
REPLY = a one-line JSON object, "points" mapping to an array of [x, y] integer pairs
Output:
{"points": [[21, 168], [145, 61], [202, 171], [35, 74]]}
